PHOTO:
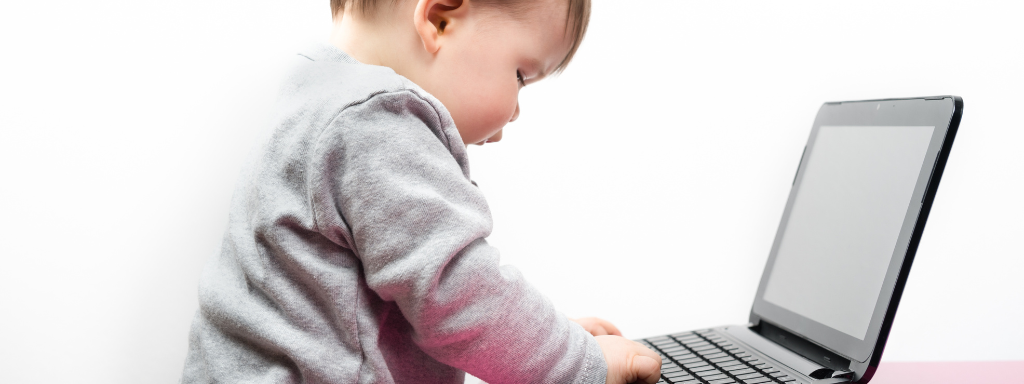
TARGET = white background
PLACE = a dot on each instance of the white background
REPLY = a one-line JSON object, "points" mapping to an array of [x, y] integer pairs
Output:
{"points": [[643, 186]]}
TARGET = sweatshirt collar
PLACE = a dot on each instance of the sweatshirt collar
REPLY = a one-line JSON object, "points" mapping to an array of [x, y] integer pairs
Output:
{"points": [[327, 52]]}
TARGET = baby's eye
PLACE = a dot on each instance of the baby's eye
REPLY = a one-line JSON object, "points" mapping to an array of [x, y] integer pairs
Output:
{"points": [[519, 77]]}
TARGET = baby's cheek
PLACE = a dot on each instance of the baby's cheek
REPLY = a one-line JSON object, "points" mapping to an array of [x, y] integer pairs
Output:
{"points": [[496, 110], [485, 103]]}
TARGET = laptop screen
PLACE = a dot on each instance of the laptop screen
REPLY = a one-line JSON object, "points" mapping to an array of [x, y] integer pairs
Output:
{"points": [[853, 221], [844, 223]]}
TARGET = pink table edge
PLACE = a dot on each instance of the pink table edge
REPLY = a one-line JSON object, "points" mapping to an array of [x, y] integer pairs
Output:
{"points": [[950, 372]]}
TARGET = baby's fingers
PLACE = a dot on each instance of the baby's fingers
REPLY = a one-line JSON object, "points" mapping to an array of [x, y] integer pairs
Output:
{"points": [[646, 369], [598, 327], [646, 364], [629, 361], [608, 326]]}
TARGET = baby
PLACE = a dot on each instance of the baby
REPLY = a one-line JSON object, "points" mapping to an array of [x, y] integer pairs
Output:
{"points": [[356, 251]]}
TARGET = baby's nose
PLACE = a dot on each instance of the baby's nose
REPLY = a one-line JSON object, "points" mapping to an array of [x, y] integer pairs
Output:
{"points": [[515, 115]]}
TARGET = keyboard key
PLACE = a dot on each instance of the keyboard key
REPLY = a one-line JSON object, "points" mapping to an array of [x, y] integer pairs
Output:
{"points": [[741, 371], [714, 377], [726, 364], [678, 376], [722, 381], [757, 381], [732, 365], [785, 379], [777, 374], [702, 369], [735, 368], [722, 359], [693, 366], [705, 373]]}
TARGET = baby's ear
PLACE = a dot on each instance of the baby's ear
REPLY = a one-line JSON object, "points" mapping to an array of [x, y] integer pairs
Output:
{"points": [[434, 18]]}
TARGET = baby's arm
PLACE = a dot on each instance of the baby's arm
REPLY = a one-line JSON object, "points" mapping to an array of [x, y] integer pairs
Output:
{"points": [[392, 191]]}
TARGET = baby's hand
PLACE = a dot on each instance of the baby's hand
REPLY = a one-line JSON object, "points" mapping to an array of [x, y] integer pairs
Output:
{"points": [[629, 361], [597, 327]]}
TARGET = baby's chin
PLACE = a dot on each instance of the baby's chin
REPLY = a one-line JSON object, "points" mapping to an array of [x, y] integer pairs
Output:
{"points": [[481, 143], [492, 139]]}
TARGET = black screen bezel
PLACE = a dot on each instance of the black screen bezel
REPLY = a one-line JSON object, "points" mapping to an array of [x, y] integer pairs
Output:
{"points": [[934, 111]]}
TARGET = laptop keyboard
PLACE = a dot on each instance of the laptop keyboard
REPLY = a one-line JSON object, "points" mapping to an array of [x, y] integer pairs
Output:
{"points": [[703, 357]]}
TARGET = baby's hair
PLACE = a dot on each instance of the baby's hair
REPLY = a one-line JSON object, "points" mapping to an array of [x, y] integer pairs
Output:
{"points": [[575, 21]]}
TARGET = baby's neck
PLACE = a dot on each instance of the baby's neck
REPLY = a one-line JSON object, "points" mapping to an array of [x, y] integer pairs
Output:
{"points": [[387, 39]]}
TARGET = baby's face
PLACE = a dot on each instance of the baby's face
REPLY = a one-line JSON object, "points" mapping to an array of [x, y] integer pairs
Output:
{"points": [[484, 62]]}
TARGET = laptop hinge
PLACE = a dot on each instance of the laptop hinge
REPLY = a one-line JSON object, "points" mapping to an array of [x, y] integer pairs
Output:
{"points": [[785, 356], [803, 347]]}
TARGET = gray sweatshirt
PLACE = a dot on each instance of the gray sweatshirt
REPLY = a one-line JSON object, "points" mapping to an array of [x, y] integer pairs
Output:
{"points": [[356, 253]]}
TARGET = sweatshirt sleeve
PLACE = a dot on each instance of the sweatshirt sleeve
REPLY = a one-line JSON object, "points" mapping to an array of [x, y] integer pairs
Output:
{"points": [[385, 184]]}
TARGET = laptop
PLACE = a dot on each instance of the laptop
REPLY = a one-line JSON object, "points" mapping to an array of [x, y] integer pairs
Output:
{"points": [[842, 253]]}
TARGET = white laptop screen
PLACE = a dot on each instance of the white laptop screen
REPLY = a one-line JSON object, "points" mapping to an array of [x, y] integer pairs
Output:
{"points": [[845, 221]]}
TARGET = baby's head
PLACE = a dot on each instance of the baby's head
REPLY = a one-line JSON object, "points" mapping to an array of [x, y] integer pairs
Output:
{"points": [[473, 55]]}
